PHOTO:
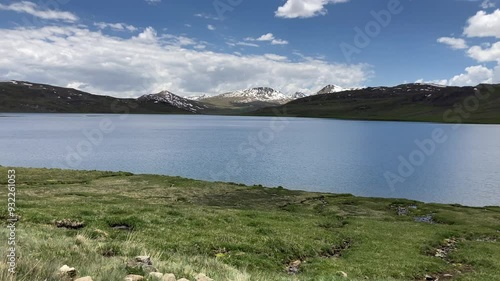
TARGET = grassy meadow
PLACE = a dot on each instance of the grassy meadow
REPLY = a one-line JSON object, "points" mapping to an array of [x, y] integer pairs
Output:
{"points": [[236, 232]]}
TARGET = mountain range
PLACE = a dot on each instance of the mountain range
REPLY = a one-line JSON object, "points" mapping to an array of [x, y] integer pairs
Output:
{"points": [[407, 102]]}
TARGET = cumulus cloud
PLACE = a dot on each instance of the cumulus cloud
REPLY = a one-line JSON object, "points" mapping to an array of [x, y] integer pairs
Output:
{"points": [[488, 54], [483, 24], [473, 75], [149, 62], [304, 8], [37, 11], [454, 43], [210, 27], [270, 38]]}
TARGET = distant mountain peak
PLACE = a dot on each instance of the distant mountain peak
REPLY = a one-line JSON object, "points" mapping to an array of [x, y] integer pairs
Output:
{"points": [[299, 95], [263, 94], [174, 100], [331, 89]]}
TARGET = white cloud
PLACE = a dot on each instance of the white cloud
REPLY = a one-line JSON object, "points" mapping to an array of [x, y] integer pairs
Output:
{"points": [[206, 16], [115, 26], [246, 44], [486, 54], [437, 82], [483, 24], [268, 37], [487, 4], [275, 57], [153, 2], [279, 42], [473, 76], [304, 8], [454, 43], [36, 11], [151, 62], [210, 27]]}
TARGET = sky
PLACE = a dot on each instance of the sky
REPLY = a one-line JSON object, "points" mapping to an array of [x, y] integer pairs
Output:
{"points": [[193, 47]]}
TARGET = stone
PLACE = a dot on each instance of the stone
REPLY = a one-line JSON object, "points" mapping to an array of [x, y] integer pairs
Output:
{"points": [[156, 275], [447, 275], [86, 278], [183, 279], [203, 277], [341, 273], [140, 265], [168, 277], [429, 278], [133, 277], [293, 267], [67, 271], [69, 224], [144, 259]]}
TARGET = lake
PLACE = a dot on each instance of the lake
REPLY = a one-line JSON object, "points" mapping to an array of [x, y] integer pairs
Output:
{"points": [[421, 161]]}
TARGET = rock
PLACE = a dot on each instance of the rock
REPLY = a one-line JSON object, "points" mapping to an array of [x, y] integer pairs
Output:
{"points": [[203, 277], [67, 271], [144, 259], [168, 277], [133, 277], [341, 273], [429, 278], [69, 224], [183, 279], [86, 278], [447, 276], [156, 275], [293, 267], [140, 265]]}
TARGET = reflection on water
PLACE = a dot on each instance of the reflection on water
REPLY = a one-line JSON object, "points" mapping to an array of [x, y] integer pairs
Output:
{"points": [[297, 153]]}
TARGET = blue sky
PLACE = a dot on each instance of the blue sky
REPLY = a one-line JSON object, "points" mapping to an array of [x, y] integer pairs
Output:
{"points": [[128, 48]]}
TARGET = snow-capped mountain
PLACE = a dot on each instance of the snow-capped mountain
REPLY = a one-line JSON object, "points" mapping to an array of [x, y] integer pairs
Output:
{"points": [[197, 98], [331, 89], [298, 95], [174, 100], [262, 94]]}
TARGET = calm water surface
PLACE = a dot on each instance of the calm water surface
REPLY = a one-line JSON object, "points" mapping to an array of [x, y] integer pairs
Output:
{"points": [[309, 154]]}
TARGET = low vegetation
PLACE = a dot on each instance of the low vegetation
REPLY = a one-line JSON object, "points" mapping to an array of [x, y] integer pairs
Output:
{"points": [[410, 102], [96, 221]]}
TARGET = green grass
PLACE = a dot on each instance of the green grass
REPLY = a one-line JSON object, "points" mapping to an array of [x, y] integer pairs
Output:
{"points": [[361, 105], [236, 232]]}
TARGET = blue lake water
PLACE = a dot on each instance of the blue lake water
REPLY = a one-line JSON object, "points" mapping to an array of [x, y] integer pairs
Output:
{"points": [[453, 164]]}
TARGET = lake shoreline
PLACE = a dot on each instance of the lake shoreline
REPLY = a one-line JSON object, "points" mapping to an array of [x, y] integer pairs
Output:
{"points": [[464, 122], [244, 184], [257, 233]]}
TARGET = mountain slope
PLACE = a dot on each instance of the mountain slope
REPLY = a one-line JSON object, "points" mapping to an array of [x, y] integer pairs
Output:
{"points": [[407, 102], [169, 99], [20, 96], [246, 100]]}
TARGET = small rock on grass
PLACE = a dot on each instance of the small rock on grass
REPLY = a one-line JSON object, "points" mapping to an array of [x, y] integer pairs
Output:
{"points": [[133, 277], [67, 271], [168, 277], [86, 278], [183, 279], [341, 273], [203, 277], [156, 275]]}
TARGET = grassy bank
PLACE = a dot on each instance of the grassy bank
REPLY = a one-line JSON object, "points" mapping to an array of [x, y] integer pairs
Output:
{"points": [[405, 103], [235, 232]]}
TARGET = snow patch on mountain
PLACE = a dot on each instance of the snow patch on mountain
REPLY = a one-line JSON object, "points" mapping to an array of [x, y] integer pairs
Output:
{"points": [[174, 100]]}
